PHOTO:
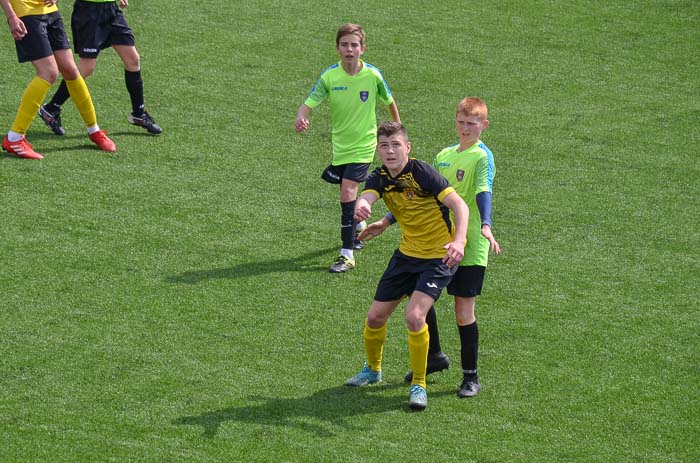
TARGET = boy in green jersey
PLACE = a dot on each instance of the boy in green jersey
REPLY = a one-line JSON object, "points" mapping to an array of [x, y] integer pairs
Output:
{"points": [[469, 168], [96, 25], [352, 88]]}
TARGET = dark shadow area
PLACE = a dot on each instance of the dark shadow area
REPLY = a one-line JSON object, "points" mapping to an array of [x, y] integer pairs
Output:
{"points": [[304, 263], [322, 413]]}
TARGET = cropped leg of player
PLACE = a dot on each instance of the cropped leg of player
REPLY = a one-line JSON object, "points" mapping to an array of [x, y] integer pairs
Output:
{"points": [[374, 336], [134, 85], [437, 359], [15, 142], [469, 340], [348, 196], [80, 95]]}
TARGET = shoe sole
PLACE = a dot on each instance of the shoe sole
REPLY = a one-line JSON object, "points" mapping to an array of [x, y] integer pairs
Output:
{"points": [[417, 406], [38, 156], [467, 396]]}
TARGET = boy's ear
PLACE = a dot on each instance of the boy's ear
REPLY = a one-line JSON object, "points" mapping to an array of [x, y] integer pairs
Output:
{"points": [[486, 124]]}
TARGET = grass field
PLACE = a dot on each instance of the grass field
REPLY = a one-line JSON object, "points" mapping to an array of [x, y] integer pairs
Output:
{"points": [[171, 302]]}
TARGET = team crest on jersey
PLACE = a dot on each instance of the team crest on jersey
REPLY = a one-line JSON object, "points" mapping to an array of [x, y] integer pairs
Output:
{"points": [[409, 194], [364, 95], [460, 175]]}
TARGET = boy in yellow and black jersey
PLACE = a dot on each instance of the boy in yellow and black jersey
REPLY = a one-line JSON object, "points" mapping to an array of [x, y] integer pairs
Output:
{"points": [[430, 250]]}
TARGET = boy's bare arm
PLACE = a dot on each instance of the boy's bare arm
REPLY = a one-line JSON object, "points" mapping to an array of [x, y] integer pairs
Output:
{"points": [[455, 249], [394, 111], [302, 121], [17, 27]]}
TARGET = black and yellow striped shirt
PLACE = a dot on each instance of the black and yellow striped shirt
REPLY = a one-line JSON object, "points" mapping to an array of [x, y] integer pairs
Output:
{"points": [[415, 197]]}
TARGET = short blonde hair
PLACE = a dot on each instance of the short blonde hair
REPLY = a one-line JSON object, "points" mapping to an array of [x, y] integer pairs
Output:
{"points": [[472, 106], [350, 28]]}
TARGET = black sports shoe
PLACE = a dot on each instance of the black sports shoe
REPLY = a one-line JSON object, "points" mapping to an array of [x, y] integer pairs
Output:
{"points": [[436, 362], [469, 388], [52, 120], [145, 121]]}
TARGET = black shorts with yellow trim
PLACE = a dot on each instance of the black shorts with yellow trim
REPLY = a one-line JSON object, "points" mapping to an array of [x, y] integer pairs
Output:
{"points": [[97, 26], [467, 282], [406, 274], [45, 34]]}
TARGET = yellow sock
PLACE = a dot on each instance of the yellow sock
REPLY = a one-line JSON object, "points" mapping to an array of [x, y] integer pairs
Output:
{"points": [[374, 345], [80, 95], [418, 354], [32, 98]]}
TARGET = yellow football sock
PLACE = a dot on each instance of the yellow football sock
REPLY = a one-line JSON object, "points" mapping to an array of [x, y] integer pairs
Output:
{"points": [[29, 105], [80, 95], [418, 354], [374, 345]]}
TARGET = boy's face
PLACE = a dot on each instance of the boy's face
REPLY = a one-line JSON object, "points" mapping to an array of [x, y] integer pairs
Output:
{"points": [[393, 151], [349, 48], [469, 129]]}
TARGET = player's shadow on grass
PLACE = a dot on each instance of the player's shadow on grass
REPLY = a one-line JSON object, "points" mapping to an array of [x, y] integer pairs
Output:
{"points": [[321, 413], [304, 263]]}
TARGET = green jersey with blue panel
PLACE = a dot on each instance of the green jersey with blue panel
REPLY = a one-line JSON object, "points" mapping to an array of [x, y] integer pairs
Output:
{"points": [[352, 102], [470, 172]]}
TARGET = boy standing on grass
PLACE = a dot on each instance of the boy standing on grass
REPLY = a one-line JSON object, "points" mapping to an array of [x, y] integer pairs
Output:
{"points": [[40, 37], [431, 247], [96, 25], [352, 88], [469, 168]]}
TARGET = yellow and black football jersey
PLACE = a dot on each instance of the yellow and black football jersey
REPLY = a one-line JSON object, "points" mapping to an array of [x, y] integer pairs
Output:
{"points": [[415, 197]]}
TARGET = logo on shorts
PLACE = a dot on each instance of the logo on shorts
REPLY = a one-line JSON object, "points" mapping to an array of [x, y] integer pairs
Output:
{"points": [[460, 175], [89, 50], [364, 95], [431, 285]]}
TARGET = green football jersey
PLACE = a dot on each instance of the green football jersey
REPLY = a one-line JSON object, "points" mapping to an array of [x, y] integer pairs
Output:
{"points": [[352, 102], [470, 172]]}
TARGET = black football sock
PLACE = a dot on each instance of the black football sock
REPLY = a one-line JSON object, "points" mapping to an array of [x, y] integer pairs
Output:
{"points": [[134, 84], [347, 224], [431, 320], [469, 337], [60, 97]]}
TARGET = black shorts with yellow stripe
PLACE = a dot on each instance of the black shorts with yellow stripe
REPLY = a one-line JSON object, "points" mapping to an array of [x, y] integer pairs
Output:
{"points": [[406, 274]]}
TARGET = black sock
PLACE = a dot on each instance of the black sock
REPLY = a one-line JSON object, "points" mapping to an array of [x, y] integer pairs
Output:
{"points": [[134, 84], [469, 337], [347, 224], [431, 320], [60, 97]]}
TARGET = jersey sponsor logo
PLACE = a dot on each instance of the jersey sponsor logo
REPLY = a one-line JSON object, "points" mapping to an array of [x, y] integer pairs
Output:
{"points": [[443, 164], [364, 95], [339, 88], [460, 175]]}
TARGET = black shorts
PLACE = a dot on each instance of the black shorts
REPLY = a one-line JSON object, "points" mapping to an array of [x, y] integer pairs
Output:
{"points": [[406, 274], [467, 282], [97, 26], [357, 172], [45, 34]]}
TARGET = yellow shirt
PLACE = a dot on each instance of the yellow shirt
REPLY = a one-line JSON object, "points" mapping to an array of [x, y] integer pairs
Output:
{"points": [[31, 7]]}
